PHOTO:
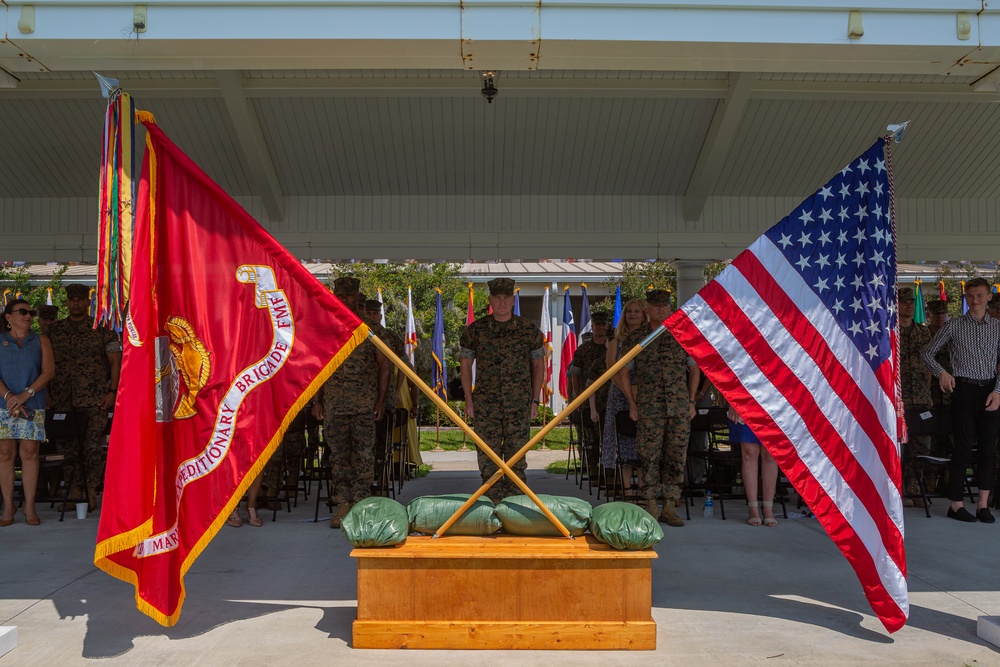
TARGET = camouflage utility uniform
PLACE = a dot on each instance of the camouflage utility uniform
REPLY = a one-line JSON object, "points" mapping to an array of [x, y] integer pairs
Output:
{"points": [[349, 399], [503, 352], [82, 380], [664, 426], [395, 343], [584, 358], [915, 385]]}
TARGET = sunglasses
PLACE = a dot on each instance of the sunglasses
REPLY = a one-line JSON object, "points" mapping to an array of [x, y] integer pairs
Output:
{"points": [[24, 311]]}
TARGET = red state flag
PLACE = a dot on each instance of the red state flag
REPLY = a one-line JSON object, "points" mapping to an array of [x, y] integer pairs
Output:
{"points": [[226, 338]]}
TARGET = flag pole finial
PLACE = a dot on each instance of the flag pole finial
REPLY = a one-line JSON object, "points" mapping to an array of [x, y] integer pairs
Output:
{"points": [[897, 130]]}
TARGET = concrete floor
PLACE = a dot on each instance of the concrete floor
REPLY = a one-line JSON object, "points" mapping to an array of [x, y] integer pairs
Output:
{"points": [[723, 594]]}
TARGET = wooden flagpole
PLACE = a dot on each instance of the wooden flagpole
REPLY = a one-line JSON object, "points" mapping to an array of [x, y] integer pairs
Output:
{"points": [[573, 405], [504, 469]]}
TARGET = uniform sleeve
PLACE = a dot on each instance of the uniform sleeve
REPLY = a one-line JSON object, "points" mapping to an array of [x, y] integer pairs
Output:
{"points": [[112, 345], [467, 345], [537, 343]]}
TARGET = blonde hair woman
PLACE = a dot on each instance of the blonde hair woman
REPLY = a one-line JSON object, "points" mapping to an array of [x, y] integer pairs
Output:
{"points": [[633, 318]]}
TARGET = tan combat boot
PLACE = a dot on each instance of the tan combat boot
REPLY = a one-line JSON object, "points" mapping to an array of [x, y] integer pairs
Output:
{"points": [[669, 515], [650, 506], [342, 510]]}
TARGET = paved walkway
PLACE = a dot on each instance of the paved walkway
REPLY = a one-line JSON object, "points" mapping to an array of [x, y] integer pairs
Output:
{"points": [[723, 594]]}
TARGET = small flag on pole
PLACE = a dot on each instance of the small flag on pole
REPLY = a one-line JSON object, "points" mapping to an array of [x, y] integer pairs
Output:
{"points": [[568, 344], [439, 367], [517, 301], [546, 327], [585, 325], [411, 327], [382, 306], [965, 306], [48, 298], [618, 305], [919, 316]]}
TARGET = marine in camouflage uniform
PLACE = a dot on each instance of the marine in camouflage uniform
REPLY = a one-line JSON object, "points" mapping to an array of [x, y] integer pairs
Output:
{"points": [[586, 354], [915, 386], [290, 452], [88, 362], [353, 400], [509, 355], [662, 393], [373, 317]]}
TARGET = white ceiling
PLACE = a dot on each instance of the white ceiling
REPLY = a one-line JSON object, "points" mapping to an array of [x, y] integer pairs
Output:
{"points": [[653, 151]]}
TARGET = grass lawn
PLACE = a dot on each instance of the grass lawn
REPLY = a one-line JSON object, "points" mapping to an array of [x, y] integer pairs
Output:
{"points": [[451, 439]]}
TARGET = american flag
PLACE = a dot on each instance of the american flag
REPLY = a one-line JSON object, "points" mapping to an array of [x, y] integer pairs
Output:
{"points": [[800, 335]]}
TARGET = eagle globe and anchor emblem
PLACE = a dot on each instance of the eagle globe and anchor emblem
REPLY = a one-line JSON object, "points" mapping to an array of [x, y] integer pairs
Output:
{"points": [[182, 369]]}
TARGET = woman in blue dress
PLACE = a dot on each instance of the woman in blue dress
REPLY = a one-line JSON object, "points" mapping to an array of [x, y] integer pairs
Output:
{"points": [[25, 368], [752, 450]]}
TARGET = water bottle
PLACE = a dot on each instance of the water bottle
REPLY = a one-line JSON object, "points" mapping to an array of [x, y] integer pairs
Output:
{"points": [[709, 509]]}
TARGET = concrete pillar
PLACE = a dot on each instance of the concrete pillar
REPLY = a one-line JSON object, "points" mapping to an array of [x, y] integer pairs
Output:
{"points": [[690, 278]]}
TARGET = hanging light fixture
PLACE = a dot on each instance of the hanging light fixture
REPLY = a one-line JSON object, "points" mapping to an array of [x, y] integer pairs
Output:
{"points": [[489, 90]]}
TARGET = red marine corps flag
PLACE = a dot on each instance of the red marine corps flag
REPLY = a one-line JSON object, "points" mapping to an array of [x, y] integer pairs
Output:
{"points": [[226, 338]]}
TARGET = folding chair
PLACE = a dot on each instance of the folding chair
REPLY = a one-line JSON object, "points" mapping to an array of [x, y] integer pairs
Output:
{"points": [[384, 468], [588, 429], [400, 441], [624, 426], [70, 430], [572, 451]]}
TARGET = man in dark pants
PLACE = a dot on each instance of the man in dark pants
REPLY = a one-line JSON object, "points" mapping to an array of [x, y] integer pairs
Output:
{"points": [[974, 340]]}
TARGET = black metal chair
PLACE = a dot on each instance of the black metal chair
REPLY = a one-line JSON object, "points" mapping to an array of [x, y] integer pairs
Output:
{"points": [[66, 431], [624, 425], [573, 449]]}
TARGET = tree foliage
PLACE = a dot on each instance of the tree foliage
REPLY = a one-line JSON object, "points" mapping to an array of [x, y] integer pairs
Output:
{"points": [[424, 279], [15, 280]]}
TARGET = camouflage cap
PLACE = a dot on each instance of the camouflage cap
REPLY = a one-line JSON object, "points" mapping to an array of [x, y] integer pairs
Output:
{"points": [[76, 290], [346, 285], [50, 312], [906, 294], [501, 286], [599, 318], [373, 304], [658, 297], [937, 306]]}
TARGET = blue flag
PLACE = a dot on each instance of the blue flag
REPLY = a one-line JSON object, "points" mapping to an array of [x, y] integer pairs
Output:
{"points": [[439, 369], [517, 301], [618, 305]]}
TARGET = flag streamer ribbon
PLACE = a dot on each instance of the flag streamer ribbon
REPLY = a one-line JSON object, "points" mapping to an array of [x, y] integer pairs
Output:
{"points": [[116, 215]]}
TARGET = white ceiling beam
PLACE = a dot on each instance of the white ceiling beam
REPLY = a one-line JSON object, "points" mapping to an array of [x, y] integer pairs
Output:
{"points": [[718, 142], [251, 143], [959, 91]]}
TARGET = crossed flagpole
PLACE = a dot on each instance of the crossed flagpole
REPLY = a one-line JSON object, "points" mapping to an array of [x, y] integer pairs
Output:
{"points": [[504, 467]]}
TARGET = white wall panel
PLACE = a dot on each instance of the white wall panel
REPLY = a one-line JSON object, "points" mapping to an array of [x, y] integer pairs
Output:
{"points": [[528, 228]]}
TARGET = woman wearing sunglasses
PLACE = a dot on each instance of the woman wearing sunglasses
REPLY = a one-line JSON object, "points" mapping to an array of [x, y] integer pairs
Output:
{"points": [[25, 368]]}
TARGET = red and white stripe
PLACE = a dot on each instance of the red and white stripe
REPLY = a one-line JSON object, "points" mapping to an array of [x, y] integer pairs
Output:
{"points": [[778, 355], [411, 327]]}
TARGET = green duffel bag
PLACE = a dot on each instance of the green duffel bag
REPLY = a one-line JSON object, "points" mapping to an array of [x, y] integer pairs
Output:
{"points": [[376, 522], [625, 526], [520, 516], [428, 513]]}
